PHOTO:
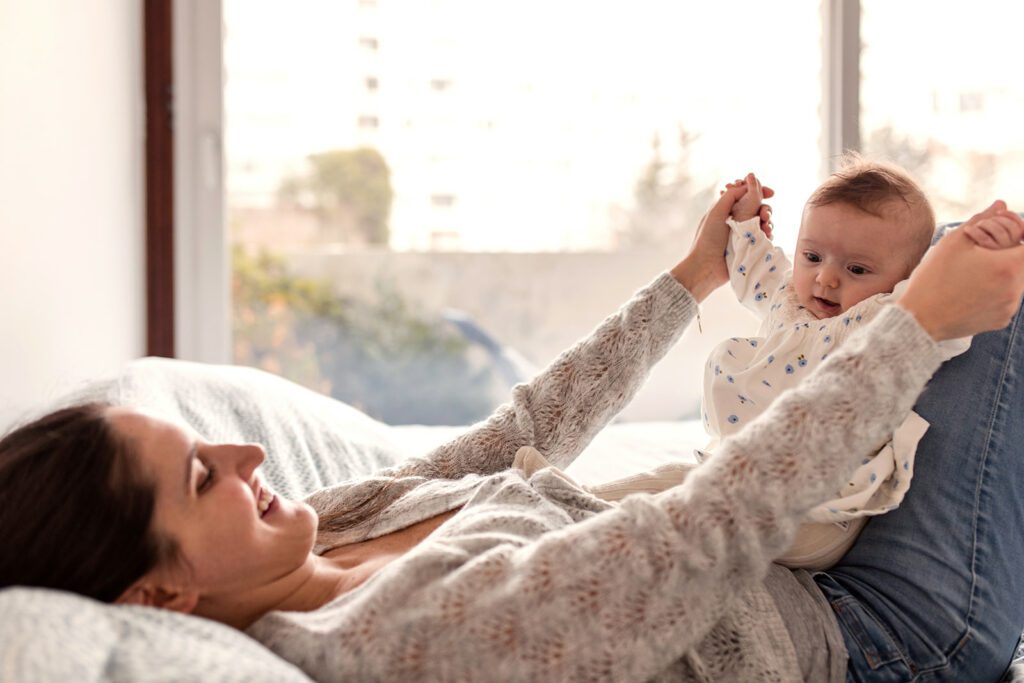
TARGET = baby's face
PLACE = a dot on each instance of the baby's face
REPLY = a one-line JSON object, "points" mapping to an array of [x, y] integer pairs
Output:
{"points": [[844, 255]]}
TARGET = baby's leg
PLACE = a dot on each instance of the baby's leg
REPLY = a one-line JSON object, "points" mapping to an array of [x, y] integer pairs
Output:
{"points": [[821, 545], [653, 481]]}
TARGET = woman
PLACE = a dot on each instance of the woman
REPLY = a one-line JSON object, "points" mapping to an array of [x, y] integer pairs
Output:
{"points": [[455, 566]]}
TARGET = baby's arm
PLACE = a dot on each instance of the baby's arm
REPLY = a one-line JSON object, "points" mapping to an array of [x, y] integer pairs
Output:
{"points": [[757, 268], [1004, 229]]}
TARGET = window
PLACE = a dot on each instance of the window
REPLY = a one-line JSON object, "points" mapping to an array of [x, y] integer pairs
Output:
{"points": [[950, 114], [555, 168]]}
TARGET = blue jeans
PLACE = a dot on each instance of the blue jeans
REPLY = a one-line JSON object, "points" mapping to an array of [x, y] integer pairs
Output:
{"points": [[934, 591]]}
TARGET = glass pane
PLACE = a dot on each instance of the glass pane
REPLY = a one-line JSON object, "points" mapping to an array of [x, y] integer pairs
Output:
{"points": [[945, 99], [429, 199]]}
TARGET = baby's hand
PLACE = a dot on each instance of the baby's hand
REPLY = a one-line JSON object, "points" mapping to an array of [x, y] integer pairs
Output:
{"points": [[1001, 230], [751, 203]]}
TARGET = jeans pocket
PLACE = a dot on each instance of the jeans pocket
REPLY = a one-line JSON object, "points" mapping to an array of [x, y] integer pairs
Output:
{"points": [[876, 644]]}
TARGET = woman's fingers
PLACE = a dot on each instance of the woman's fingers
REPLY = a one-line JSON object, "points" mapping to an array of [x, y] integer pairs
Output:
{"points": [[766, 220]]}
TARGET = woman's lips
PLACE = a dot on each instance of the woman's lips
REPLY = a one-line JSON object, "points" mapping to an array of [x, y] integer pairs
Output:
{"points": [[271, 507]]}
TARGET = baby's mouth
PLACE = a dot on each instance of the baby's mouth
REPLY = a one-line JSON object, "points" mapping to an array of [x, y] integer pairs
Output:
{"points": [[830, 307]]}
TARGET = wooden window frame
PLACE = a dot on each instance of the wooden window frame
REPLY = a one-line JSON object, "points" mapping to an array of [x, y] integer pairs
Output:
{"points": [[159, 83]]}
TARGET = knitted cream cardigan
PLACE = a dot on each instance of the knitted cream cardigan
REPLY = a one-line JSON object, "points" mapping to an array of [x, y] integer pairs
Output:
{"points": [[535, 579]]}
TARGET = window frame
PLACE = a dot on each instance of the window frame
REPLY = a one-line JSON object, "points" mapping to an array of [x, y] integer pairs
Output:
{"points": [[195, 289]]}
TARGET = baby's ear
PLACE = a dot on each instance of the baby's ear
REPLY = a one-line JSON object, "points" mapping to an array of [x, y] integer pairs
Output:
{"points": [[151, 593]]}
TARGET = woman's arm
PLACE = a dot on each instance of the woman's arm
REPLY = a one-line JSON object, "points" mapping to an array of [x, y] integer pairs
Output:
{"points": [[630, 590], [560, 410]]}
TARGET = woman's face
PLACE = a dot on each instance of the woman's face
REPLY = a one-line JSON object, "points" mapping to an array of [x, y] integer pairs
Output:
{"points": [[208, 500]]}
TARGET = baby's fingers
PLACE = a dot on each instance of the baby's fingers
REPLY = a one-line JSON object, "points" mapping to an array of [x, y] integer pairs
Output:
{"points": [[997, 232], [1016, 223]]}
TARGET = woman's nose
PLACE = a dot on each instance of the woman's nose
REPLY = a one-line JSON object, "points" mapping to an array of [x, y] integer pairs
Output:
{"points": [[247, 457]]}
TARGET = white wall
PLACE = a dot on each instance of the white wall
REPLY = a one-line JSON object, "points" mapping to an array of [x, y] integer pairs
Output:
{"points": [[72, 270]]}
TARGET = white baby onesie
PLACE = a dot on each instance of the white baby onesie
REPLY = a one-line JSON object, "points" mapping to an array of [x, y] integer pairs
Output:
{"points": [[744, 375]]}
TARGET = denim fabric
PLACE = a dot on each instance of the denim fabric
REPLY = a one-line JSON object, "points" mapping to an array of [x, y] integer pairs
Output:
{"points": [[934, 591]]}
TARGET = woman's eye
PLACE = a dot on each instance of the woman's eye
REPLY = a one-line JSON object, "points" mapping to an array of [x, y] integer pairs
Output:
{"points": [[811, 256], [211, 473], [858, 270]]}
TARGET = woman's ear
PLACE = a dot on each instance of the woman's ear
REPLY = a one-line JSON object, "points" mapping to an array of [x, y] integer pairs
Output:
{"points": [[152, 592]]}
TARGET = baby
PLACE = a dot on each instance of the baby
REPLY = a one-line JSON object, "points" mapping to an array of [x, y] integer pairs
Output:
{"points": [[862, 233]]}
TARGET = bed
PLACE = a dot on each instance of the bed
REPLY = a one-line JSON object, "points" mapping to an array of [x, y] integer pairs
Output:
{"points": [[311, 441]]}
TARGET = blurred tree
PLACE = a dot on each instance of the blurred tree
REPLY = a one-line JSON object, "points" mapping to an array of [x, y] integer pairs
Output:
{"points": [[667, 201], [969, 177], [350, 191], [887, 144], [380, 356]]}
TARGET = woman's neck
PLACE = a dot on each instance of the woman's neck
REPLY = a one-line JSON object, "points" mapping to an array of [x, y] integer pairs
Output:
{"points": [[314, 584]]}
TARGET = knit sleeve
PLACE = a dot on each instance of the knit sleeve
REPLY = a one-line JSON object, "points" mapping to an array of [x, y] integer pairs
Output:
{"points": [[756, 267], [560, 410], [623, 594]]}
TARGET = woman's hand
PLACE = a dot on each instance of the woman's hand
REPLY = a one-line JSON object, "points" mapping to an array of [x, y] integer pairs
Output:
{"points": [[962, 288], [703, 270]]}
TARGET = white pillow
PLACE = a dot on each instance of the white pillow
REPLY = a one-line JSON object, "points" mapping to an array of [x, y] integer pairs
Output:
{"points": [[311, 441]]}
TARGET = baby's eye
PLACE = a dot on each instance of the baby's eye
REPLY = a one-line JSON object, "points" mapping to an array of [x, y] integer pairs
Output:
{"points": [[811, 256], [858, 270]]}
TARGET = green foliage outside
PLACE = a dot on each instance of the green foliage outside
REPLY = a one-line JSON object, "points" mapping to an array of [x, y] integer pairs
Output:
{"points": [[380, 356], [350, 191]]}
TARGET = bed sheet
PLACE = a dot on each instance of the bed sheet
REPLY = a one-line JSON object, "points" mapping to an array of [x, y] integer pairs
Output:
{"points": [[618, 451]]}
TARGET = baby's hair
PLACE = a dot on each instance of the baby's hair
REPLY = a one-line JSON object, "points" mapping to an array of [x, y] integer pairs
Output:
{"points": [[878, 188]]}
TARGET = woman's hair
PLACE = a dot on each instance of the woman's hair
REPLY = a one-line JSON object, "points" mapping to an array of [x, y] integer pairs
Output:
{"points": [[76, 511], [878, 188]]}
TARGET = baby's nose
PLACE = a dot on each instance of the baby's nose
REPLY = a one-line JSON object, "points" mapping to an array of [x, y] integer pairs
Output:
{"points": [[827, 277]]}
